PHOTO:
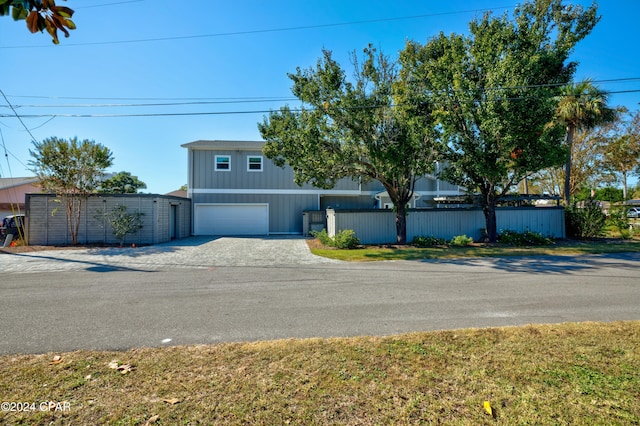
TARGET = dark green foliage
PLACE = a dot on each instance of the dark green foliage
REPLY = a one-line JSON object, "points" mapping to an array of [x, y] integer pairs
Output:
{"points": [[608, 193], [345, 239], [526, 238], [493, 93], [362, 128], [428, 241], [585, 221], [122, 183]]}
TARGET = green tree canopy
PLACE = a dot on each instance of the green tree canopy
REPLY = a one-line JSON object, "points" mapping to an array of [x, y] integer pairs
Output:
{"points": [[72, 170], [493, 93], [362, 129], [121, 183], [621, 147], [40, 15]]}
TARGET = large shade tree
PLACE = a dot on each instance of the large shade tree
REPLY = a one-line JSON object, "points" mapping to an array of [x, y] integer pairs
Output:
{"points": [[494, 91], [581, 106], [360, 128], [71, 169]]}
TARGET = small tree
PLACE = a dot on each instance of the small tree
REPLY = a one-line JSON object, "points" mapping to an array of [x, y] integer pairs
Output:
{"points": [[72, 170], [121, 221], [40, 15]]}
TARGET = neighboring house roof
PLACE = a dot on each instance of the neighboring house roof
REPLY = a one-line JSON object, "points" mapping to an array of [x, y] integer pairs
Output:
{"points": [[223, 144], [6, 183], [178, 193]]}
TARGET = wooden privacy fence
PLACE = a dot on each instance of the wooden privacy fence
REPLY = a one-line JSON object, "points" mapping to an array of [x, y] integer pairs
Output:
{"points": [[378, 226], [164, 218]]}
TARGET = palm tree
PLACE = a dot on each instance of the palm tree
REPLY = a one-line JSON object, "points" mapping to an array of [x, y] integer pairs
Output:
{"points": [[581, 106]]}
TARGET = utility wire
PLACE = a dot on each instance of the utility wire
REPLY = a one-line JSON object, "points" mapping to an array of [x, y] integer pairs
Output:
{"points": [[18, 116], [241, 100], [267, 30], [178, 114]]}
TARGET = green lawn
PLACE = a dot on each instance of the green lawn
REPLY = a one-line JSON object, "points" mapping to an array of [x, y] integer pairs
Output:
{"points": [[392, 252]]}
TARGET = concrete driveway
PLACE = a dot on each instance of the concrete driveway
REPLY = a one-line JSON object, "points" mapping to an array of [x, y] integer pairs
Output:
{"points": [[194, 252]]}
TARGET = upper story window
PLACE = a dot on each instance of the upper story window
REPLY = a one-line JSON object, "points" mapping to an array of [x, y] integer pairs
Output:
{"points": [[223, 163], [254, 163]]}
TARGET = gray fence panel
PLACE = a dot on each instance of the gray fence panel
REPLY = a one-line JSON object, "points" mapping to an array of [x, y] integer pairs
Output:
{"points": [[378, 226]]}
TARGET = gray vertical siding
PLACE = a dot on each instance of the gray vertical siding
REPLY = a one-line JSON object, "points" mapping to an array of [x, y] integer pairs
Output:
{"points": [[378, 226], [47, 221]]}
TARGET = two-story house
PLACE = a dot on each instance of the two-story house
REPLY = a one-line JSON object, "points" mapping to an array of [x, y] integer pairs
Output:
{"points": [[236, 190]]}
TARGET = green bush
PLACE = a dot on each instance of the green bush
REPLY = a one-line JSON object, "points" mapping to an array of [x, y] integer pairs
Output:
{"points": [[323, 237], [585, 222], [428, 241], [527, 238], [345, 239], [618, 219], [461, 241]]}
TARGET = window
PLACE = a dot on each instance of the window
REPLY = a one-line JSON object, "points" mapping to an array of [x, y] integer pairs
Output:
{"points": [[223, 163], [254, 163]]}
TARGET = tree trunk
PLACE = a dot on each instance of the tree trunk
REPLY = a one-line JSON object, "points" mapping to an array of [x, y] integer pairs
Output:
{"points": [[401, 223], [489, 210], [567, 166]]}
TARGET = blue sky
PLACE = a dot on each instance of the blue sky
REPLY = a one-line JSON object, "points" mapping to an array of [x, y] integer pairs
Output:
{"points": [[226, 59]]}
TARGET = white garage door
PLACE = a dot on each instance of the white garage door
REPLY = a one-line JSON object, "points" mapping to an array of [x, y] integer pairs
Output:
{"points": [[231, 219]]}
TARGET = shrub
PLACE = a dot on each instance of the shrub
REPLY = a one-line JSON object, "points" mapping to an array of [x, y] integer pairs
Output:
{"points": [[323, 237], [527, 238], [345, 239], [428, 241], [618, 219], [461, 241], [585, 222]]}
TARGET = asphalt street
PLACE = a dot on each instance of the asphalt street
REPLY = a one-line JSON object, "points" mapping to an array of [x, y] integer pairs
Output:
{"points": [[99, 307]]}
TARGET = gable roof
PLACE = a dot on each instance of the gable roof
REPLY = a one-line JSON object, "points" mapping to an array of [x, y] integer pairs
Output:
{"points": [[6, 183], [225, 145]]}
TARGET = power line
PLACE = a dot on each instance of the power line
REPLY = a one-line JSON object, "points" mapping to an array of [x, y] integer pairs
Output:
{"points": [[221, 101], [210, 113], [17, 116], [106, 4], [267, 30]]}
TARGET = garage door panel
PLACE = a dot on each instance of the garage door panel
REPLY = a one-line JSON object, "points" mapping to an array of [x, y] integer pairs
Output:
{"points": [[231, 219]]}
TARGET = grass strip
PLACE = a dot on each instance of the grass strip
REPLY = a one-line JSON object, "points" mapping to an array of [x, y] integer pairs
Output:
{"points": [[393, 252], [575, 373]]}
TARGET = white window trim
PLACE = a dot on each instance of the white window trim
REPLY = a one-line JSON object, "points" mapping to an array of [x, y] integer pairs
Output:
{"points": [[215, 166], [249, 157]]}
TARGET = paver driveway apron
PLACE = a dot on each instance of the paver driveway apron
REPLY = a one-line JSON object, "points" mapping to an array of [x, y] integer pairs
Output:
{"points": [[194, 252]]}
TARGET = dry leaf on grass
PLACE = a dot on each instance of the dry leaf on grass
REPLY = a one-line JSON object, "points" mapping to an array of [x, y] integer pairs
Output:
{"points": [[152, 420], [123, 368], [171, 401], [56, 360]]}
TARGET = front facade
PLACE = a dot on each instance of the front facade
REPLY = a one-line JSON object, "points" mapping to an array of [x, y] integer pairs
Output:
{"points": [[236, 190]]}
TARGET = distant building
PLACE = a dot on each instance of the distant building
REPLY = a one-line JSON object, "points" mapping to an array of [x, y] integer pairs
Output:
{"points": [[12, 194]]}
